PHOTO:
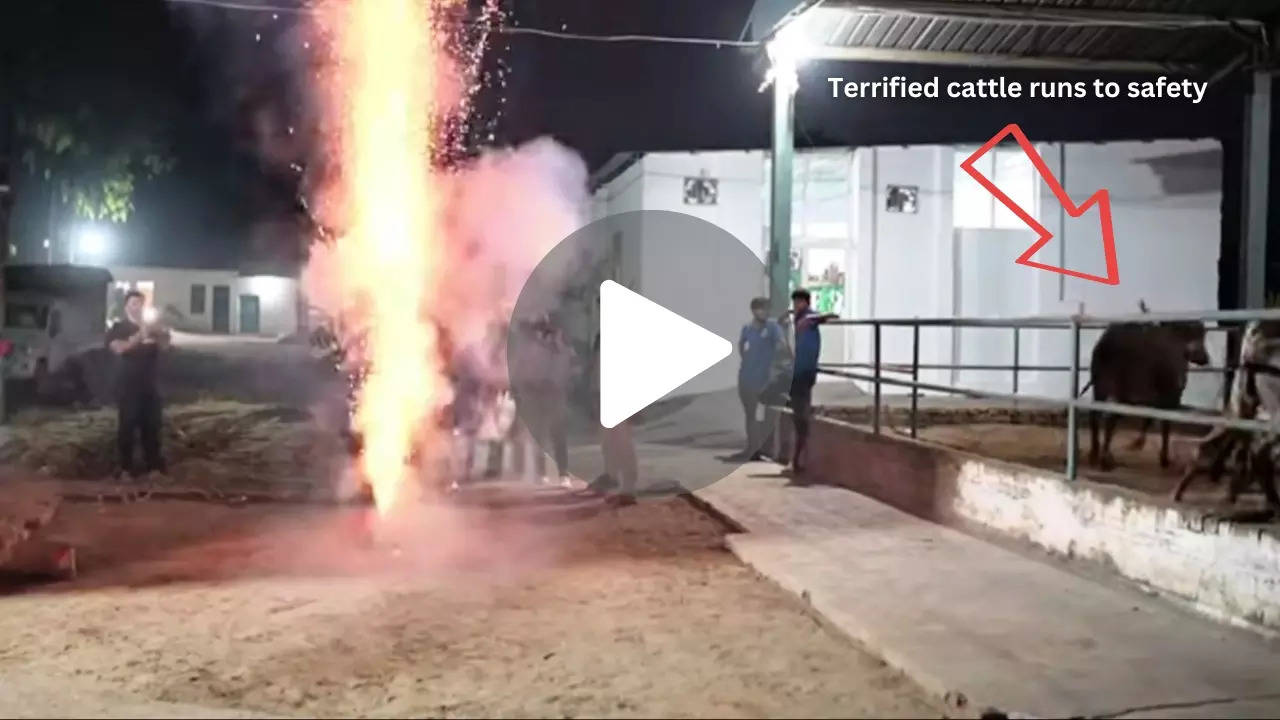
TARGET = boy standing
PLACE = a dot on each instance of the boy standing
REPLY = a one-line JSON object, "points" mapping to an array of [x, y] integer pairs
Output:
{"points": [[808, 345], [758, 345]]}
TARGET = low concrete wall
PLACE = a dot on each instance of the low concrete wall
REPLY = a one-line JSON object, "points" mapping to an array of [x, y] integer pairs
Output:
{"points": [[1224, 569]]}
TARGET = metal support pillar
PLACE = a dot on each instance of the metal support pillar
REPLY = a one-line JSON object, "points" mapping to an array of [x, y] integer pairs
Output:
{"points": [[1017, 351], [915, 374], [8, 151], [1073, 422], [1256, 162], [783, 150], [875, 413]]}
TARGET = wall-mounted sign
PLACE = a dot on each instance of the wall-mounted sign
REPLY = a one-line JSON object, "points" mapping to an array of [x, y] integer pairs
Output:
{"points": [[901, 199], [701, 191]]}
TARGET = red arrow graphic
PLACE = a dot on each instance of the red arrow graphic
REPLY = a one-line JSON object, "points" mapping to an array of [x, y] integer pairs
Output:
{"points": [[1101, 198]]}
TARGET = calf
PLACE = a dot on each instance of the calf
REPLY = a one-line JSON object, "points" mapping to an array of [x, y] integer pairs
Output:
{"points": [[1142, 364], [1255, 394]]}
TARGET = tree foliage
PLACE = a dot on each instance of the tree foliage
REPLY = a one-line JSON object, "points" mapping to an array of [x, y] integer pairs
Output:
{"points": [[95, 177], [86, 118]]}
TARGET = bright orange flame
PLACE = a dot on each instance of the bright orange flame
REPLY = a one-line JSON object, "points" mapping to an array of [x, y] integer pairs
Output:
{"points": [[394, 88], [391, 251]]}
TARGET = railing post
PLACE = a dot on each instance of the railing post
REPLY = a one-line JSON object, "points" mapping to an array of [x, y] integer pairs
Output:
{"points": [[1072, 440], [875, 413], [1017, 336], [1235, 337], [915, 374], [1017, 341]]}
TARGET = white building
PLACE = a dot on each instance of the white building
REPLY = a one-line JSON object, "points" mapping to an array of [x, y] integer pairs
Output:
{"points": [[903, 232], [213, 301]]}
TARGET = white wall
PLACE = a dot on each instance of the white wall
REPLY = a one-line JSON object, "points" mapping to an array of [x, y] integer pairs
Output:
{"points": [[989, 284], [741, 176], [906, 265], [1167, 252], [667, 268], [1167, 248], [277, 297], [172, 293], [904, 260], [277, 303], [661, 269]]}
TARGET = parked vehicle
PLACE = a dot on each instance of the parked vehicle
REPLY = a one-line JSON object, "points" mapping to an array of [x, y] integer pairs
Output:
{"points": [[55, 317]]}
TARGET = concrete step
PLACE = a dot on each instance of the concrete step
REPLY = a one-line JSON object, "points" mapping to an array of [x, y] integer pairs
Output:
{"points": [[983, 626]]}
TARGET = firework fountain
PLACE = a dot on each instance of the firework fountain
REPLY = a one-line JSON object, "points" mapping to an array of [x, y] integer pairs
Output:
{"points": [[394, 89], [425, 249]]}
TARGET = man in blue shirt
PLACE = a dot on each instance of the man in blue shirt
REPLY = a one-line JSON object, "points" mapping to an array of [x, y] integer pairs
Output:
{"points": [[758, 345], [808, 345]]}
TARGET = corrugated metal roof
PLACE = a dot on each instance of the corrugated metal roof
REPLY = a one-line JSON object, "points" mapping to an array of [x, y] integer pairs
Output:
{"points": [[1179, 34]]}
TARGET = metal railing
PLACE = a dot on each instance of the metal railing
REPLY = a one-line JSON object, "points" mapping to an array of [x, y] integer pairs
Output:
{"points": [[1227, 321]]}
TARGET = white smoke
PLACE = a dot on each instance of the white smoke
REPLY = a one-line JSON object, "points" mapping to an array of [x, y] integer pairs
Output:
{"points": [[507, 209], [502, 213]]}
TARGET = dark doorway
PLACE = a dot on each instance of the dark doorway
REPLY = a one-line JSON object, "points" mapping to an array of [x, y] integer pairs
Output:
{"points": [[249, 309], [221, 309]]}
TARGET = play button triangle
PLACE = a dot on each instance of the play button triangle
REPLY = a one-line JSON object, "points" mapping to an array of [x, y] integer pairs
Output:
{"points": [[646, 351]]}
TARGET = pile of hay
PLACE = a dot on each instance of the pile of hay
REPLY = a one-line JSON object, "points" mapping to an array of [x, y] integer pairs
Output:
{"points": [[222, 446]]}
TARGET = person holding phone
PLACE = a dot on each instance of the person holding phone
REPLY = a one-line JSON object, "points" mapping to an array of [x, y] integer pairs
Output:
{"points": [[138, 344]]}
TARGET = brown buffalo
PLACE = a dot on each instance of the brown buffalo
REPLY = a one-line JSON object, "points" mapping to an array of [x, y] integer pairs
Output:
{"points": [[1142, 364]]}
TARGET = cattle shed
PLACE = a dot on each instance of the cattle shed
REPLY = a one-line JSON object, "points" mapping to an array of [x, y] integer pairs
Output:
{"points": [[997, 468], [1210, 40]]}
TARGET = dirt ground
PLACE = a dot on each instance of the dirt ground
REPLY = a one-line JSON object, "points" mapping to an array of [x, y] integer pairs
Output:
{"points": [[509, 602]]}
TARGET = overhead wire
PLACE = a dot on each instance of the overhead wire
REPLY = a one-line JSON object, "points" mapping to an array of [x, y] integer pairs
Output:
{"points": [[502, 29], [1044, 16]]}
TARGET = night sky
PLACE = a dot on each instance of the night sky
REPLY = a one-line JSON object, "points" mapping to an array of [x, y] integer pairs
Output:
{"points": [[214, 83]]}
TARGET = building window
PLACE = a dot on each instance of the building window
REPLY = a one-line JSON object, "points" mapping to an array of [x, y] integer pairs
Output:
{"points": [[197, 299], [1010, 170], [821, 194], [26, 316]]}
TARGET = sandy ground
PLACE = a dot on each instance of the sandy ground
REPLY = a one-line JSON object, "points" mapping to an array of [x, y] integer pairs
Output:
{"points": [[511, 602]]}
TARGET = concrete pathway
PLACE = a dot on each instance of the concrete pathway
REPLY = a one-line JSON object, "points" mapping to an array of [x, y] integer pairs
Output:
{"points": [[987, 627]]}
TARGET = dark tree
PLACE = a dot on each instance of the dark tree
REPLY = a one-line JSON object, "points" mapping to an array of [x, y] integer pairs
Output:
{"points": [[86, 113]]}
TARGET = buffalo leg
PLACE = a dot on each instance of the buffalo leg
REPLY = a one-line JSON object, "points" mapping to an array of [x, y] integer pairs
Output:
{"points": [[1253, 464], [1164, 443], [1218, 446], [1242, 442], [1185, 481], [1093, 438], [1108, 429], [1141, 440], [1264, 471], [1268, 482], [1222, 441]]}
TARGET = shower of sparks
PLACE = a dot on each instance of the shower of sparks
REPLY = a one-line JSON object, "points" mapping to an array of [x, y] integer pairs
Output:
{"points": [[399, 95]]}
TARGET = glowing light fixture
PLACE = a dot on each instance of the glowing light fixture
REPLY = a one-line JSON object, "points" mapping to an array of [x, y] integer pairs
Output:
{"points": [[788, 49], [92, 241]]}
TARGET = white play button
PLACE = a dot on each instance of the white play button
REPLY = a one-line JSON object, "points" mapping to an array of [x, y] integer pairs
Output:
{"points": [[646, 351], [583, 352]]}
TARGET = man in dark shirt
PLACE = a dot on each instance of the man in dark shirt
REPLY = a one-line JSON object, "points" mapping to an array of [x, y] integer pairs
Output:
{"points": [[138, 344], [808, 344]]}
